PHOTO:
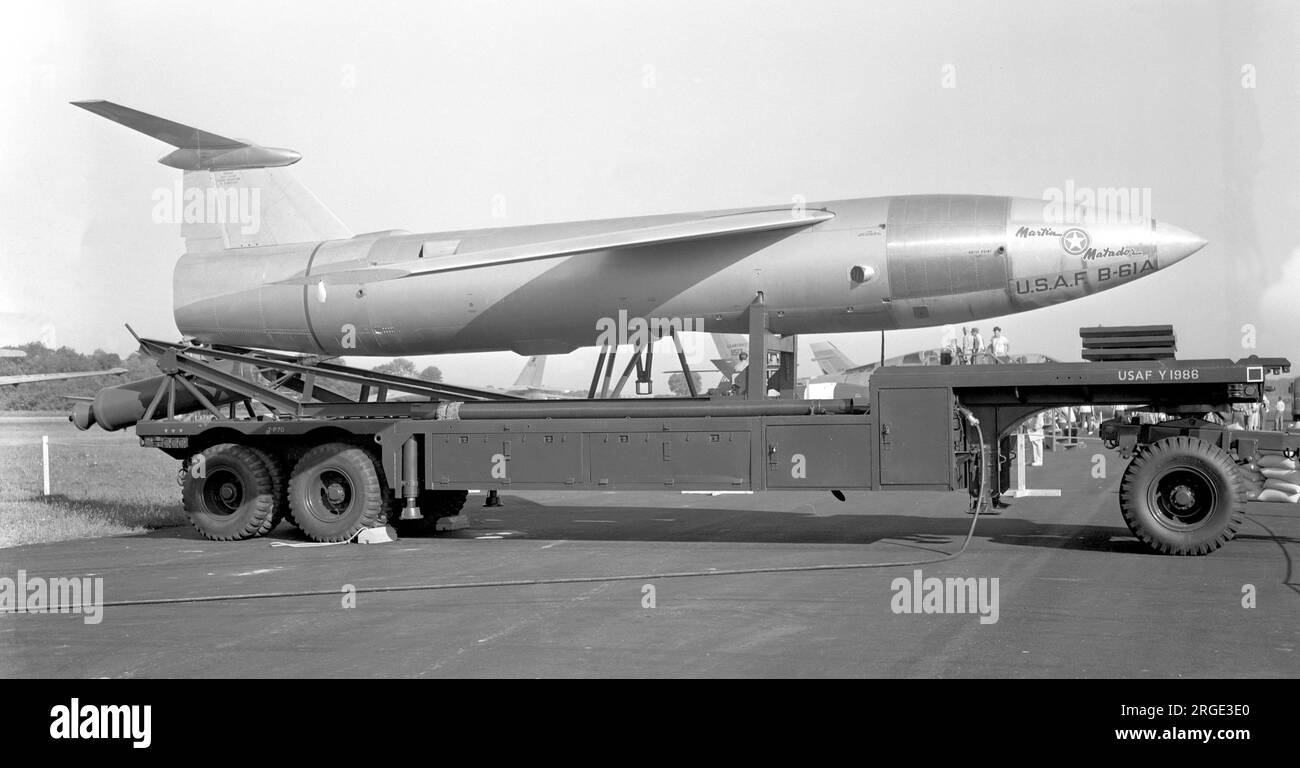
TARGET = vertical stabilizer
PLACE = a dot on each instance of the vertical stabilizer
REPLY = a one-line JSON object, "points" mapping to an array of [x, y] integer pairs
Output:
{"points": [[531, 376], [830, 359], [234, 193], [250, 207]]}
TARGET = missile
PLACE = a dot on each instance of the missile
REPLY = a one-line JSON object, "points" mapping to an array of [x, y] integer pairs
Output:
{"points": [[268, 266]]}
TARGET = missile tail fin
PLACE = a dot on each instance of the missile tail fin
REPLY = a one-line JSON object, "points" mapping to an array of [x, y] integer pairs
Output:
{"points": [[252, 207], [234, 193]]}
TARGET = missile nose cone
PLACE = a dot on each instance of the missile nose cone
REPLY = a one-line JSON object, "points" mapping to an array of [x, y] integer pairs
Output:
{"points": [[1173, 244]]}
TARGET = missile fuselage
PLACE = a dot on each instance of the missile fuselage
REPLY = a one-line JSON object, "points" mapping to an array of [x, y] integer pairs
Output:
{"points": [[878, 263]]}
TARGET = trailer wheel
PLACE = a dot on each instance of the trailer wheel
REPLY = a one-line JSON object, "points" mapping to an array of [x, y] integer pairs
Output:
{"points": [[236, 496], [1123, 499], [287, 459], [433, 505], [280, 482], [335, 491], [1183, 496]]}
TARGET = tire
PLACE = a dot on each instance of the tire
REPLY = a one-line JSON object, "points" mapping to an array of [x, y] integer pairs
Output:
{"points": [[280, 481], [1183, 496], [1123, 499], [433, 505], [236, 497], [287, 459], [335, 491]]}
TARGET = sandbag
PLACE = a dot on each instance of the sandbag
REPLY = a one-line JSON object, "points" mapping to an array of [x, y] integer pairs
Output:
{"points": [[1278, 485], [1286, 475], [1268, 494], [1276, 461]]}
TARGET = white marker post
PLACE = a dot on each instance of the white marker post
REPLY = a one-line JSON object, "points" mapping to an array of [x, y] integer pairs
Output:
{"points": [[1020, 491], [45, 461]]}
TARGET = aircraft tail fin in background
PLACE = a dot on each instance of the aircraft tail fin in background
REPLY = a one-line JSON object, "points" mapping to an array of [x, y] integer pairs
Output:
{"points": [[234, 194], [531, 376], [729, 345], [830, 359]]}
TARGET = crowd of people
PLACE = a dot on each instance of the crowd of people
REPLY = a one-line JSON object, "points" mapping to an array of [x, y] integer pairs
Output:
{"points": [[1266, 414], [1069, 423], [973, 348]]}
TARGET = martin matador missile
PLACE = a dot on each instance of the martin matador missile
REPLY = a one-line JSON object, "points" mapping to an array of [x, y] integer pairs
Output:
{"points": [[292, 277]]}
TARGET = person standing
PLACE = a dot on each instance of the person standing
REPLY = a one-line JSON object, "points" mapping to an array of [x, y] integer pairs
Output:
{"points": [[739, 377], [948, 355], [1086, 416], [1070, 426], [976, 344], [1000, 345], [1037, 424], [965, 345], [1280, 416]]}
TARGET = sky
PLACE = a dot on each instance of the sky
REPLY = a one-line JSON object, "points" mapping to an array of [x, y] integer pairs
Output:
{"points": [[435, 116]]}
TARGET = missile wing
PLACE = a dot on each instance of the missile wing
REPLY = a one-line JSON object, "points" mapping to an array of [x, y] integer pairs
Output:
{"points": [[693, 229]]}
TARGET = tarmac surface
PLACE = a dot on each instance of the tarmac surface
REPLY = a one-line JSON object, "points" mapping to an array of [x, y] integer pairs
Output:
{"points": [[1078, 596]]}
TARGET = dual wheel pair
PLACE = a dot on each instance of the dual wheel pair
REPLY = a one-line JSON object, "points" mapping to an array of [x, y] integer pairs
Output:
{"points": [[333, 491]]}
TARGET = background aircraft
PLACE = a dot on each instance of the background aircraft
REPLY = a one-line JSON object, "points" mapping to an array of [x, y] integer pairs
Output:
{"points": [[842, 378], [529, 383], [31, 378], [730, 347]]}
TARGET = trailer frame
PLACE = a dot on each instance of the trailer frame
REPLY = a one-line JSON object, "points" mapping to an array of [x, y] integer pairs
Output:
{"points": [[922, 428]]}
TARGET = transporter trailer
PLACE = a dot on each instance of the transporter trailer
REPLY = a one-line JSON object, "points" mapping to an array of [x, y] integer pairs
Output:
{"points": [[271, 437]]}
